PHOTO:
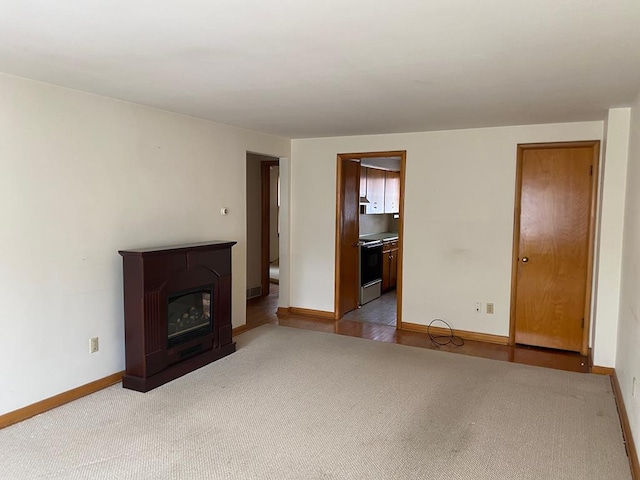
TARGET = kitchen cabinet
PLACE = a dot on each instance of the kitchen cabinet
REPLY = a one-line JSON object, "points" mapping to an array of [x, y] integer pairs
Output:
{"points": [[382, 190], [375, 190], [392, 192], [363, 182], [389, 265]]}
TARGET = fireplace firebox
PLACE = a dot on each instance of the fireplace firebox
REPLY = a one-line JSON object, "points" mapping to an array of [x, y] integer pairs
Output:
{"points": [[188, 316], [177, 309]]}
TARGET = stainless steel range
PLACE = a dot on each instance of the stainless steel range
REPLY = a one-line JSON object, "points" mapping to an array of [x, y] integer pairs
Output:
{"points": [[370, 270]]}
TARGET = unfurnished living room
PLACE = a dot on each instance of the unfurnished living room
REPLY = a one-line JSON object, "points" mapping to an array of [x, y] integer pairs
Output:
{"points": [[450, 191]]}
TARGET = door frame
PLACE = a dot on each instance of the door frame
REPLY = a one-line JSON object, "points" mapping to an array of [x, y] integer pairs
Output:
{"points": [[584, 350], [357, 156], [265, 233]]}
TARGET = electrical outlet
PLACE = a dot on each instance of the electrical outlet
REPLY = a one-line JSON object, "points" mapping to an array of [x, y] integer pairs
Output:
{"points": [[478, 307], [490, 308], [93, 345]]}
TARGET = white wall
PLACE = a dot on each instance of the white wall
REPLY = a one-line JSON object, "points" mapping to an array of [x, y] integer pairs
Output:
{"points": [[284, 247], [82, 177], [609, 239], [458, 226], [628, 353]]}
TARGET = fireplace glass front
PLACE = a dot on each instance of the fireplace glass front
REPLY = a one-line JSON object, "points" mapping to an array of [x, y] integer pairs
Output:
{"points": [[189, 316]]}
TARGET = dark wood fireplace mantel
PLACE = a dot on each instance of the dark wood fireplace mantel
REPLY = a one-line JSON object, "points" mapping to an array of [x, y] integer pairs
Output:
{"points": [[151, 277]]}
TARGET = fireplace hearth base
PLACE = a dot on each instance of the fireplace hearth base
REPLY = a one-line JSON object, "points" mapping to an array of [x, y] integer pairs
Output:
{"points": [[154, 276], [142, 384]]}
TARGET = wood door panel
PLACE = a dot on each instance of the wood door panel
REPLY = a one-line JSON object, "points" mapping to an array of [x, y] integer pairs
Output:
{"points": [[555, 204], [349, 233]]}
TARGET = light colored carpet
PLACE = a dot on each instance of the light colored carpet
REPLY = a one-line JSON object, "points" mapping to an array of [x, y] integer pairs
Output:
{"points": [[298, 404]]}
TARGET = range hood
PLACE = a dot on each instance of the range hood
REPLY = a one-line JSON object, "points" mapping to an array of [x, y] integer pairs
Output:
{"points": [[363, 201]]}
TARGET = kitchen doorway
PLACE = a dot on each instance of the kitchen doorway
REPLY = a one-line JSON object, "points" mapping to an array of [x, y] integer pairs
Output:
{"points": [[369, 225]]}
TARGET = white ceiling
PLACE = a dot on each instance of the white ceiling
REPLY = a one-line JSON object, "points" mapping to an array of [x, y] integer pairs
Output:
{"points": [[305, 68], [384, 163]]}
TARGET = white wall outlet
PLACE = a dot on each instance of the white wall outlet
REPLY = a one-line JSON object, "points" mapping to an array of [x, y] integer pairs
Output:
{"points": [[93, 345], [489, 308], [478, 307]]}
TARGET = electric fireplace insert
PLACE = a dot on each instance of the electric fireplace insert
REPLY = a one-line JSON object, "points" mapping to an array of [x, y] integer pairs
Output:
{"points": [[189, 315]]}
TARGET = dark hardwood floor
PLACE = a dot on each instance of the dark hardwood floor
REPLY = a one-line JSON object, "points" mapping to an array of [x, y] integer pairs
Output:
{"points": [[263, 310]]}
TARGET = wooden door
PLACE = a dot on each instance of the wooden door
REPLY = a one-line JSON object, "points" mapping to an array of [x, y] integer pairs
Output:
{"points": [[348, 232], [553, 244]]}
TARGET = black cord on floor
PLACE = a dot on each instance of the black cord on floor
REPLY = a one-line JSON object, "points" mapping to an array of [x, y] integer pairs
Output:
{"points": [[440, 340]]}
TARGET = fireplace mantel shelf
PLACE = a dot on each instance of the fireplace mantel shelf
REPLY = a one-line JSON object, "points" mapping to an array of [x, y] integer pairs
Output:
{"points": [[176, 248]]}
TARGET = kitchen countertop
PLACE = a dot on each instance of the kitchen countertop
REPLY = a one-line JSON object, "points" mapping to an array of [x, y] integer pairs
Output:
{"points": [[385, 236]]}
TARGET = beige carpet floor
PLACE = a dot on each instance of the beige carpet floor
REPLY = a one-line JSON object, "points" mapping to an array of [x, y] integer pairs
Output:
{"points": [[298, 404]]}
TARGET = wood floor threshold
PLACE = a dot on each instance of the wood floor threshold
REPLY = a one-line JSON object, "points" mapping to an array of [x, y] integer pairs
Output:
{"points": [[475, 336], [242, 329], [602, 370], [307, 312], [632, 453], [58, 400]]}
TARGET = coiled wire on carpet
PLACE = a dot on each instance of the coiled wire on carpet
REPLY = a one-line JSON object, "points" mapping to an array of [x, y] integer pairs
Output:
{"points": [[441, 340]]}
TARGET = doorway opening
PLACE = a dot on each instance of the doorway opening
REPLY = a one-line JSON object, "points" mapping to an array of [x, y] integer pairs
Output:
{"points": [[369, 225], [263, 230]]}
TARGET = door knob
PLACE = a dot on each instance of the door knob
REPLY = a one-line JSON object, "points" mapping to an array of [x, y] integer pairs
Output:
{"points": [[525, 259]]}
